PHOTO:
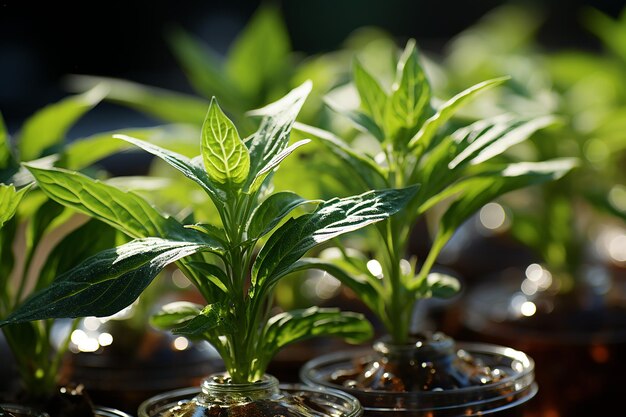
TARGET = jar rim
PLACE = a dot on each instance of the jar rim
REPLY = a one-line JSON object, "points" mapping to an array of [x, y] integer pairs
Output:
{"points": [[522, 378], [266, 383]]}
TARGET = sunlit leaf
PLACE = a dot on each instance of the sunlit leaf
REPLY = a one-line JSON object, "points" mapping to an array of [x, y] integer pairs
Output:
{"points": [[163, 104], [105, 283], [49, 125], [260, 53], [297, 325]]}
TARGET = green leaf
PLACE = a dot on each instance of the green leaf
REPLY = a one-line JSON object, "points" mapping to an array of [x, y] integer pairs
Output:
{"points": [[105, 283], [7, 257], [369, 290], [209, 318], [212, 273], [174, 314], [84, 152], [373, 97], [440, 285], [273, 164], [269, 214], [485, 139], [366, 170], [297, 325], [49, 125], [409, 104], [475, 192], [260, 54], [272, 137], [125, 211], [204, 69], [424, 136], [361, 120], [6, 156], [9, 201], [75, 248], [480, 190], [183, 164], [331, 219], [162, 104], [226, 158]]}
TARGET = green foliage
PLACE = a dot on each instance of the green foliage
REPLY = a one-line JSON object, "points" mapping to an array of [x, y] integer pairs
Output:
{"points": [[457, 168], [586, 91], [27, 215], [221, 261]]}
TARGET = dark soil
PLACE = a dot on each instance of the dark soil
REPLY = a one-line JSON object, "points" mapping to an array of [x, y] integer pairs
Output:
{"points": [[434, 371], [287, 406]]}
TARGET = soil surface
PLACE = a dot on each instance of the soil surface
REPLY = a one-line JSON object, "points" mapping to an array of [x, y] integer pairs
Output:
{"points": [[434, 370]]}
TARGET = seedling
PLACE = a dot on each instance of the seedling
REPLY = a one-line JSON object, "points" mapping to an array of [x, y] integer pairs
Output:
{"points": [[235, 266], [458, 170]]}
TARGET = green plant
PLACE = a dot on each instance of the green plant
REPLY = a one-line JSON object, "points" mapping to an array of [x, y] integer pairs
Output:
{"points": [[586, 90], [53, 239], [29, 214], [219, 261], [459, 169]]}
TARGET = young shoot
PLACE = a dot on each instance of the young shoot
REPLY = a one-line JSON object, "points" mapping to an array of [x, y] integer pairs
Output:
{"points": [[234, 262], [457, 170]]}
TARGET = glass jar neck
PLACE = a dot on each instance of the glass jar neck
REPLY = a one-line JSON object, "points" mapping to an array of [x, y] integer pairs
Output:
{"points": [[421, 348], [217, 388]]}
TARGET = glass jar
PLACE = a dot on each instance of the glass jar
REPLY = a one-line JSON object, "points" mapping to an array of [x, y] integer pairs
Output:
{"points": [[109, 412], [577, 338], [432, 376], [264, 398], [16, 410]]}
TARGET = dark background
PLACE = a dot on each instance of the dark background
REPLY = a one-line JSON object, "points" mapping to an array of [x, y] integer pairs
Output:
{"points": [[42, 41]]}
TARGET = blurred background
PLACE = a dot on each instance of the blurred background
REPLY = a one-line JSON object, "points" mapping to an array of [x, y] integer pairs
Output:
{"points": [[41, 42]]}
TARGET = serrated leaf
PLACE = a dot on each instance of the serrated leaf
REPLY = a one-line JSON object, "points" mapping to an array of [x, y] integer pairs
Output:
{"points": [[366, 170], [259, 54], [105, 283], [298, 325], [272, 137], [273, 165], [49, 125], [226, 158], [272, 211], [209, 318], [9, 201], [174, 314], [473, 193], [163, 104], [373, 97], [215, 232], [369, 291], [212, 273], [74, 248], [331, 219], [125, 211], [183, 164], [361, 120], [486, 139], [424, 136], [409, 103]]}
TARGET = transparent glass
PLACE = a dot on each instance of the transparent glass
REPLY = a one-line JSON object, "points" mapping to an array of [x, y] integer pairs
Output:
{"points": [[440, 379], [109, 412], [578, 338], [265, 398], [16, 410]]}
